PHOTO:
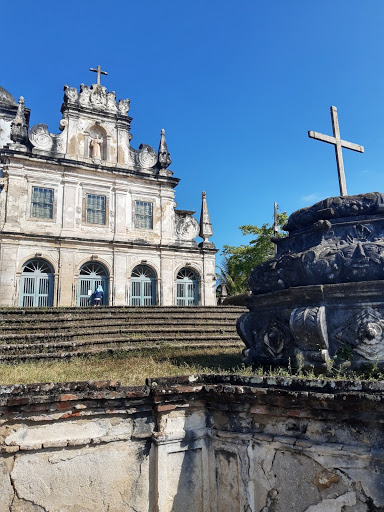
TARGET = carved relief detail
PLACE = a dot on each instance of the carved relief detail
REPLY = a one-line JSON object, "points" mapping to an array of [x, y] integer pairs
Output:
{"points": [[273, 339], [186, 226], [309, 328], [365, 333], [42, 139], [71, 95], [19, 127], [147, 156], [124, 107], [97, 98]]}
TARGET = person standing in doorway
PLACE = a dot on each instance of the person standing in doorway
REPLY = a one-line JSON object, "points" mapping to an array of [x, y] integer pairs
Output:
{"points": [[98, 296]]}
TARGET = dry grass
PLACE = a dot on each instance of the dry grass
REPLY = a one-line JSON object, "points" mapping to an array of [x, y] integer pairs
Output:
{"points": [[130, 369]]}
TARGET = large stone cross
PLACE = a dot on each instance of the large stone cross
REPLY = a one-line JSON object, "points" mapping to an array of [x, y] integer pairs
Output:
{"points": [[99, 72], [338, 143]]}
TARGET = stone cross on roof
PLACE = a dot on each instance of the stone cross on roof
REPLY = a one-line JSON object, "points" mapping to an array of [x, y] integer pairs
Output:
{"points": [[339, 144], [99, 72]]}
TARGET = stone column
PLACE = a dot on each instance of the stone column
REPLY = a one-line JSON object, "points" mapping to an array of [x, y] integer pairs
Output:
{"points": [[67, 284], [120, 281], [167, 280], [122, 143], [208, 285], [182, 467], [69, 204], [121, 201], [9, 282], [17, 207], [167, 217]]}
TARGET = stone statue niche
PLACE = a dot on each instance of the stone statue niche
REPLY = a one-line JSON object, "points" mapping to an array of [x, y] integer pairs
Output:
{"points": [[320, 301], [97, 144]]}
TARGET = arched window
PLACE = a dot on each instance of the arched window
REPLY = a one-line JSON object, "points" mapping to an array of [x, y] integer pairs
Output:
{"points": [[36, 284], [91, 276], [187, 293], [143, 286]]}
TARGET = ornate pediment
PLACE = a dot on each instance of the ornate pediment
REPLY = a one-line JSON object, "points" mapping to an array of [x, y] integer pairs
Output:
{"points": [[96, 98]]}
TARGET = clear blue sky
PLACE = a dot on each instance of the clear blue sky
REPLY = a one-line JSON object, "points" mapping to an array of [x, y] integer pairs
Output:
{"points": [[236, 85]]}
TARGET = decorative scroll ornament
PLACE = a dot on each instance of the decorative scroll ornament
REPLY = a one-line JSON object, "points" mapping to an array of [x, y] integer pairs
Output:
{"points": [[19, 127], [42, 139], [186, 226], [147, 156]]}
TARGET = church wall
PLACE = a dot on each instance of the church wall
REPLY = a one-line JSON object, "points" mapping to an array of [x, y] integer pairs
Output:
{"points": [[5, 129], [86, 195], [202, 444], [66, 258]]}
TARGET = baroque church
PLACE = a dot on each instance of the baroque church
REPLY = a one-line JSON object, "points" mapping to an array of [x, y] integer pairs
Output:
{"points": [[83, 208]]}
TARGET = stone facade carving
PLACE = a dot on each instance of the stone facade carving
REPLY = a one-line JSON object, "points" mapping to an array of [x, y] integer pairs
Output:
{"points": [[19, 126], [95, 147], [186, 226], [95, 97], [205, 223], [334, 248], [42, 139], [338, 248], [123, 107], [163, 154], [147, 156]]}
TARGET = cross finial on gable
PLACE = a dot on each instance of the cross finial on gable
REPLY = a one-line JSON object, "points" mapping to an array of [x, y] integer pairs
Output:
{"points": [[99, 72]]}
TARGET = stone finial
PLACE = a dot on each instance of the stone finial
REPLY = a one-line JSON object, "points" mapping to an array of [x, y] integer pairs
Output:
{"points": [[19, 127], [205, 222], [164, 157]]}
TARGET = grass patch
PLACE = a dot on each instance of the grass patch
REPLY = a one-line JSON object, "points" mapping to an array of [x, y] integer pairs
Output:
{"points": [[129, 368], [132, 368]]}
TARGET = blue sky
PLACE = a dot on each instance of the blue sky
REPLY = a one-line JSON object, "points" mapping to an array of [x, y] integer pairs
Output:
{"points": [[236, 85]]}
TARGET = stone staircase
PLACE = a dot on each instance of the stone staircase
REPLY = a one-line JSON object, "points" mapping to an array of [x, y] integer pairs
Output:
{"points": [[38, 333]]}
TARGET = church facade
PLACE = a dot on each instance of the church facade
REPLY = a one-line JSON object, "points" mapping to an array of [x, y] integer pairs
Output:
{"points": [[83, 208]]}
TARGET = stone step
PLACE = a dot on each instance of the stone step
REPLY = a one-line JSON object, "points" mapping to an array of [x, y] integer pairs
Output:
{"points": [[65, 349], [65, 332], [73, 325], [91, 332], [113, 310]]}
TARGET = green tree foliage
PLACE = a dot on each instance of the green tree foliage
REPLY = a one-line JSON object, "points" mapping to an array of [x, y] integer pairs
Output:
{"points": [[239, 261]]}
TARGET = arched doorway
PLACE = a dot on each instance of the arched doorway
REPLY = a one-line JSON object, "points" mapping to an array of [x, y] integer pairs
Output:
{"points": [[143, 286], [36, 284], [91, 276], [187, 293]]}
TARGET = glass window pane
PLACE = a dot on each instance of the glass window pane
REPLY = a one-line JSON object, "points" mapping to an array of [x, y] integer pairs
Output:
{"points": [[42, 203], [143, 215], [95, 209]]}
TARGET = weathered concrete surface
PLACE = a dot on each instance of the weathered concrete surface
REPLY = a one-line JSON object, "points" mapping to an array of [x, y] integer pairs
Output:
{"points": [[199, 443]]}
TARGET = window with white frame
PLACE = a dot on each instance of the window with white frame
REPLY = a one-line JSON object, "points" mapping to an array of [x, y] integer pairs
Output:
{"points": [[42, 203], [95, 209], [143, 215]]}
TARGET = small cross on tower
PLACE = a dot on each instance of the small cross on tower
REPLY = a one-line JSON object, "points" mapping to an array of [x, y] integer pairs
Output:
{"points": [[338, 143], [99, 72]]}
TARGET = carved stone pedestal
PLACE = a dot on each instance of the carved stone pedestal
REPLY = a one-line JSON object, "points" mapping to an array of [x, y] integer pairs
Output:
{"points": [[320, 301]]}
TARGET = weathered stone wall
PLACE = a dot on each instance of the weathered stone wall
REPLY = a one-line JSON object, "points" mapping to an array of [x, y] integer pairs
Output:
{"points": [[204, 444]]}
